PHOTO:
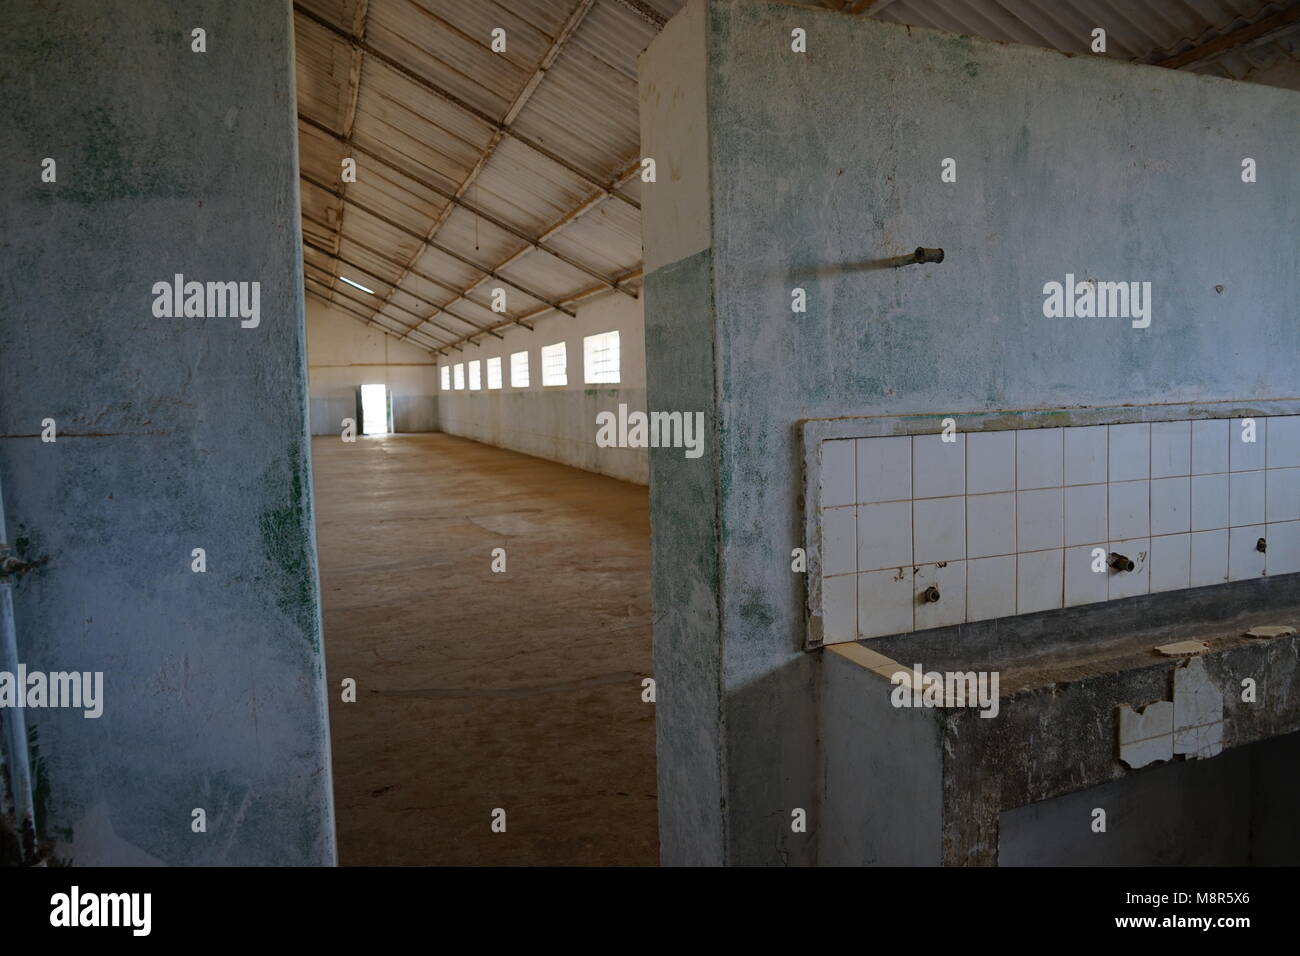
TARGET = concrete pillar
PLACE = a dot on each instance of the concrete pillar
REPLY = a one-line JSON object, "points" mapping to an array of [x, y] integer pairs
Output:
{"points": [[736, 712], [172, 433]]}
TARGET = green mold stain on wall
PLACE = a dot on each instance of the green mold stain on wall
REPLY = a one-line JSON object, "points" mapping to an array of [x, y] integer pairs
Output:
{"points": [[286, 537], [114, 163]]}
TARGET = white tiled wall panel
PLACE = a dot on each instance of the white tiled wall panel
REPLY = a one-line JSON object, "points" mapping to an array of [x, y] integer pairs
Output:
{"points": [[1012, 522]]}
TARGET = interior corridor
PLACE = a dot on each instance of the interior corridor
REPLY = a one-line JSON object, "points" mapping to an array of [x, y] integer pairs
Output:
{"points": [[478, 690]]}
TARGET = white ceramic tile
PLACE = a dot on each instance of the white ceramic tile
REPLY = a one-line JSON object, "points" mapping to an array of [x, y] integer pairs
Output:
{"points": [[1198, 712], [1171, 449], [1209, 502], [1171, 561], [1130, 583], [1146, 737], [1283, 555], [1039, 581], [1085, 515], [839, 546], [1209, 558], [1245, 560], [1171, 505], [1283, 449], [1210, 446], [1128, 453], [938, 466], [990, 462], [1039, 522], [1085, 455], [990, 525], [1247, 455], [837, 473], [884, 535], [1246, 498], [884, 469], [950, 580], [1128, 511], [990, 495], [939, 529], [1039, 458], [1282, 493], [1083, 585], [885, 602], [840, 609], [990, 588]]}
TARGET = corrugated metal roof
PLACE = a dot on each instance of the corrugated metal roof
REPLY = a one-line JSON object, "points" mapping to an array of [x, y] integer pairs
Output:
{"points": [[469, 160], [437, 162], [1143, 30]]}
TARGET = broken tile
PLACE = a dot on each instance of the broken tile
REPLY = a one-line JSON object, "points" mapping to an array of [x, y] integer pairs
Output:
{"points": [[1198, 712], [1270, 631], [1146, 736], [1179, 648]]}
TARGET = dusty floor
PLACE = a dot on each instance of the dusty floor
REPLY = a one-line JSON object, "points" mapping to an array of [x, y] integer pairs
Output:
{"points": [[478, 690]]}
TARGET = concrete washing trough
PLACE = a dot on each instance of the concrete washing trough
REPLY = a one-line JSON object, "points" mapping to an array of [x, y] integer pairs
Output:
{"points": [[934, 784]]}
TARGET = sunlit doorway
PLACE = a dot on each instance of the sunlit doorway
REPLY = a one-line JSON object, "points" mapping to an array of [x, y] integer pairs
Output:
{"points": [[374, 410]]}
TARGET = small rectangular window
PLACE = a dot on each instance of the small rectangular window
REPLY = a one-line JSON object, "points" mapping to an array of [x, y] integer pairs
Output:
{"points": [[600, 358], [519, 370], [459, 372], [475, 375], [446, 378], [494, 372], [554, 365]]}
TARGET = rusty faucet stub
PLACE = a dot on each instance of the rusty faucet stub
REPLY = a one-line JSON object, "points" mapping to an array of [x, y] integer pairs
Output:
{"points": [[11, 566]]}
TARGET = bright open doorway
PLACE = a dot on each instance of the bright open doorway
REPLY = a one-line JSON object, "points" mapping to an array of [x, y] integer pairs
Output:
{"points": [[374, 410]]}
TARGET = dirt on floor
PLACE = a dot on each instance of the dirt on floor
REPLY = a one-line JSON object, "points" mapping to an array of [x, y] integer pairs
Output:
{"points": [[478, 691]]}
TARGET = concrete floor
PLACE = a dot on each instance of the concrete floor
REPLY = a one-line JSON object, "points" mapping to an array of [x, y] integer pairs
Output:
{"points": [[478, 690]]}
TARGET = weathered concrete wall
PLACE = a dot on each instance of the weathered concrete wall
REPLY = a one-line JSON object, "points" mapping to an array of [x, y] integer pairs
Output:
{"points": [[685, 526], [1073, 165], [1183, 814], [1235, 810], [825, 164], [685, 567], [343, 354], [882, 772], [555, 422], [173, 433]]}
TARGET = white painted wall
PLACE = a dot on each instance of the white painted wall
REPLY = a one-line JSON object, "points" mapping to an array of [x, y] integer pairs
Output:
{"points": [[675, 132], [343, 353], [557, 422]]}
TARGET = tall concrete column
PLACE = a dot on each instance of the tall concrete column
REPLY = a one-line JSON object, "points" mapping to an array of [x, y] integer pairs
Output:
{"points": [[170, 516], [736, 694]]}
